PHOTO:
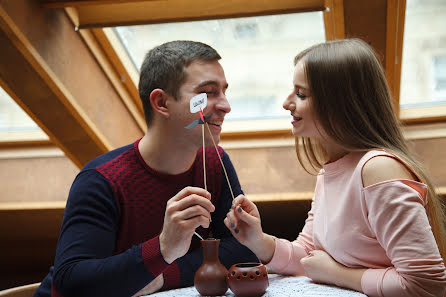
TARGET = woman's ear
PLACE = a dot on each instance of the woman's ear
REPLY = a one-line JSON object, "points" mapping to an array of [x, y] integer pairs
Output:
{"points": [[158, 100]]}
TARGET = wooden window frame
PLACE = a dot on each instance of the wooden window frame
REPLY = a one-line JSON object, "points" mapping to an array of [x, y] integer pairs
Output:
{"points": [[114, 61]]}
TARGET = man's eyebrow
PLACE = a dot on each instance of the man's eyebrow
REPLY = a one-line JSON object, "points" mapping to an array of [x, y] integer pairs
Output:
{"points": [[209, 82]]}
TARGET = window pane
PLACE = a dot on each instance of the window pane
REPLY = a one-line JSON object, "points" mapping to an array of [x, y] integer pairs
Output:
{"points": [[423, 72], [12, 117], [257, 54]]}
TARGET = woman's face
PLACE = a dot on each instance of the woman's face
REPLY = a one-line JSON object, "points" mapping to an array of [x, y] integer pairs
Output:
{"points": [[299, 104]]}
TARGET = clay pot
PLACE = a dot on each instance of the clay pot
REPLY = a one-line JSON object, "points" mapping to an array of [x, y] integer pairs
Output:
{"points": [[210, 278], [248, 279]]}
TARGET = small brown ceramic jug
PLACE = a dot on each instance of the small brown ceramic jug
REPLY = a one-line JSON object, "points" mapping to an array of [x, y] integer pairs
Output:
{"points": [[248, 279], [210, 278]]}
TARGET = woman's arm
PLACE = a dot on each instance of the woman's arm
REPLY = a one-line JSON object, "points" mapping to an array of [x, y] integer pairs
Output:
{"points": [[397, 216], [322, 268]]}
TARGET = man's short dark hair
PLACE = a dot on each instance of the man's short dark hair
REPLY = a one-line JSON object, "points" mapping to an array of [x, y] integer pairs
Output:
{"points": [[163, 68]]}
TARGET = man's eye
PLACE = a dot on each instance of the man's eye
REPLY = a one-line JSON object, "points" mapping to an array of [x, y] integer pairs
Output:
{"points": [[210, 92]]}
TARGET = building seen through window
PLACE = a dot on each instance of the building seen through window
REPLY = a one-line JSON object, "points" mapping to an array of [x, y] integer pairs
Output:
{"points": [[423, 72], [257, 54]]}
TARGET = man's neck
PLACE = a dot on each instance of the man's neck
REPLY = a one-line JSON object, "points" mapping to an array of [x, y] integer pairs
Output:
{"points": [[164, 154]]}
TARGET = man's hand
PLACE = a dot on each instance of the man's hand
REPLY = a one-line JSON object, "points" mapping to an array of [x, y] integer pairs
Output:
{"points": [[322, 268], [185, 212], [152, 287]]}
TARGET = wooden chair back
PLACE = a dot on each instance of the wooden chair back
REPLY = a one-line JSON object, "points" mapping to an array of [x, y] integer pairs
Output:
{"points": [[22, 291]]}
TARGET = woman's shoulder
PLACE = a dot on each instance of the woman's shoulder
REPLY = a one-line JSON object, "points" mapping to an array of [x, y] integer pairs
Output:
{"points": [[380, 166]]}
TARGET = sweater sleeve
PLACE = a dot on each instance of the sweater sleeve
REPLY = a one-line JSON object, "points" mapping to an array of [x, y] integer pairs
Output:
{"points": [[287, 255], [85, 264], [397, 216], [230, 250]]}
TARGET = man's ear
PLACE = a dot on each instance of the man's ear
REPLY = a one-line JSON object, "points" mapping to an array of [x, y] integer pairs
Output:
{"points": [[158, 100]]}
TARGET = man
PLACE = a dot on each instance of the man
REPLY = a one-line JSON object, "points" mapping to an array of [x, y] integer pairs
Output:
{"points": [[131, 214]]}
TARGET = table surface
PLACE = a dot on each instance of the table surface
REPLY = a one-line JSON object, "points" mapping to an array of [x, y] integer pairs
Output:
{"points": [[279, 286]]}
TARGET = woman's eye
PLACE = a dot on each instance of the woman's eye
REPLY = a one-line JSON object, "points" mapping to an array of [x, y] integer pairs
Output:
{"points": [[300, 95]]}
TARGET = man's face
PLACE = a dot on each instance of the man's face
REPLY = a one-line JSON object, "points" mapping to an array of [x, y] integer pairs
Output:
{"points": [[202, 77]]}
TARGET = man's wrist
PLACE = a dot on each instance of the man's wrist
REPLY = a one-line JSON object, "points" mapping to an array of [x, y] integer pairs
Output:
{"points": [[164, 250]]}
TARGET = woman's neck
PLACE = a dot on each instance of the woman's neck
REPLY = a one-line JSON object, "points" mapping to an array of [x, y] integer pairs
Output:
{"points": [[333, 151]]}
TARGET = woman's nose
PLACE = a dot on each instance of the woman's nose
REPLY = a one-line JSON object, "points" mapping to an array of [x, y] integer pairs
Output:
{"points": [[289, 104]]}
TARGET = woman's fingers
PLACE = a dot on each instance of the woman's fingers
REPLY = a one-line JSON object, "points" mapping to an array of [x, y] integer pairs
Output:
{"points": [[247, 205], [231, 220], [241, 215], [243, 212]]}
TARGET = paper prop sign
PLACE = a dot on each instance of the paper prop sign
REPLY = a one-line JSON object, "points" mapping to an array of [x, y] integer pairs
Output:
{"points": [[198, 102]]}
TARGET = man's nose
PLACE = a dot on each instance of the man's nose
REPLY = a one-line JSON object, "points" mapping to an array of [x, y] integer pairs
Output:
{"points": [[223, 104]]}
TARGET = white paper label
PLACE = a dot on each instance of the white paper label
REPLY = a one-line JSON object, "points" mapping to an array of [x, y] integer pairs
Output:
{"points": [[197, 102]]}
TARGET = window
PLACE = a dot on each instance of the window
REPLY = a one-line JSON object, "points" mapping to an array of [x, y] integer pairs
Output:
{"points": [[257, 55], [439, 78], [423, 73], [12, 117]]}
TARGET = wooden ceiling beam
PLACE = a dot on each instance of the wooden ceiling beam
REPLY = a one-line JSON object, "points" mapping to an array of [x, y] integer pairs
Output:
{"points": [[48, 69], [120, 13], [71, 3]]}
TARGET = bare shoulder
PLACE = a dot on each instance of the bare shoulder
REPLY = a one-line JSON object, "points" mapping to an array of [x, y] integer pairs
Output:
{"points": [[383, 168]]}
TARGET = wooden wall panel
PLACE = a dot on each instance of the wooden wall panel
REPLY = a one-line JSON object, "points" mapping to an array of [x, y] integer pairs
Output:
{"points": [[432, 155], [276, 170], [270, 170], [36, 179], [27, 250]]}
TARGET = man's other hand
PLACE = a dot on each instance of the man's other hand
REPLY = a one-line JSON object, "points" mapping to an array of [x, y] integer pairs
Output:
{"points": [[185, 212]]}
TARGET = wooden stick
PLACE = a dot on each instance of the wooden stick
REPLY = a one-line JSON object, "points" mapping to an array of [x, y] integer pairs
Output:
{"points": [[221, 161], [204, 164], [204, 159], [198, 235]]}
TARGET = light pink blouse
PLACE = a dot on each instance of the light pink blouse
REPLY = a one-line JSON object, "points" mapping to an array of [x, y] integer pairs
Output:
{"points": [[383, 227]]}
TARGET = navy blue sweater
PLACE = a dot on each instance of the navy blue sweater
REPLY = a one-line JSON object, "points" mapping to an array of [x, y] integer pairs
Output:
{"points": [[109, 239]]}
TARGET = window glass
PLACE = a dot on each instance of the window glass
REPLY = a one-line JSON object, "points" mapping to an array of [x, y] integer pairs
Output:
{"points": [[423, 72], [439, 77], [12, 117], [257, 54]]}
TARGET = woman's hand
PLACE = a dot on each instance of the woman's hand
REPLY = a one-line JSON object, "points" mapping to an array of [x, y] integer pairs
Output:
{"points": [[244, 222], [322, 268]]}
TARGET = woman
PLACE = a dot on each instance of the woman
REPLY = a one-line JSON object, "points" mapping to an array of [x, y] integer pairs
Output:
{"points": [[375, 225]]}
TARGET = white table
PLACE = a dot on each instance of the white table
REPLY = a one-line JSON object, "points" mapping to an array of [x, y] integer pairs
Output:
{"points": [[293, 286]]}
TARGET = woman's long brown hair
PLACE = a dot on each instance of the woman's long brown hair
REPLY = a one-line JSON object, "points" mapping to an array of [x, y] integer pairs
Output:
{"points": [[352, 102]]}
